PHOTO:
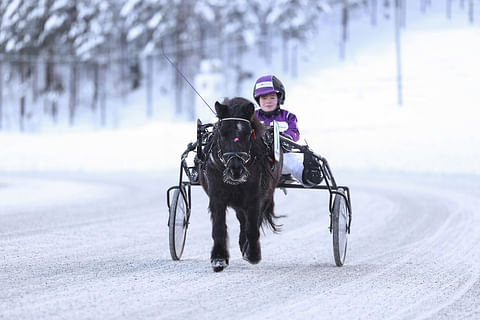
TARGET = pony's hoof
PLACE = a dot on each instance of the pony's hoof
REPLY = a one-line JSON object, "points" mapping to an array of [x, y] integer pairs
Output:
{"points": [[252, 260], [219, 264], [251, 257]]}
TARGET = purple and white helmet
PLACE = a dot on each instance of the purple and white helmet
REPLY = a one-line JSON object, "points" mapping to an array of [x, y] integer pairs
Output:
{"points": [[269, 84]]}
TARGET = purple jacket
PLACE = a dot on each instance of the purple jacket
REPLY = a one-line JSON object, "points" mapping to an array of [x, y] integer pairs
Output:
{"points": [[287, 122]]}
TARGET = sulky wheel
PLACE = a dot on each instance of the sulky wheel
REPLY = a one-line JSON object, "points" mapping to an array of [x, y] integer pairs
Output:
{"points": [[339, 228], [178, 224]]}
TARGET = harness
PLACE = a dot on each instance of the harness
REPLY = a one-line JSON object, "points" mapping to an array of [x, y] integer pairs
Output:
{"points": [[221, 159], [224, 158]]}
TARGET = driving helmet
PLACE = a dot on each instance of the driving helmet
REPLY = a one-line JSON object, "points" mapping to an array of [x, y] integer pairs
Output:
{"points": [[269, 84]]}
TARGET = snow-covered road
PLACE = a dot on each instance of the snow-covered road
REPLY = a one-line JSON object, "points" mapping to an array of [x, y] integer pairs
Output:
{"points": [[96, 246]]}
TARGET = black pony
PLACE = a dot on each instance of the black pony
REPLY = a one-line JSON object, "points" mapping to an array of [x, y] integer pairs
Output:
{"points": [[239, 172]]}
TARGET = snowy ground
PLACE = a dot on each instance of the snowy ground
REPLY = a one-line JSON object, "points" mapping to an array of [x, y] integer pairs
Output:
{"points": [[413, 253], [83, 216]]}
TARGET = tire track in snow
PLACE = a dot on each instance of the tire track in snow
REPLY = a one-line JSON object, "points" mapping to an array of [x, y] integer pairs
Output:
{"points": [[406, 259], [403, 261]]}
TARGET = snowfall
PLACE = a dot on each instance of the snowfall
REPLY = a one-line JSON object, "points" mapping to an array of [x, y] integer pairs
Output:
{"points": [[84, 235]]}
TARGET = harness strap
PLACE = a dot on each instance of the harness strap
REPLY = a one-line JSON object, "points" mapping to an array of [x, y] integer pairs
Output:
{"points": [[236, 119], [215, 162]]}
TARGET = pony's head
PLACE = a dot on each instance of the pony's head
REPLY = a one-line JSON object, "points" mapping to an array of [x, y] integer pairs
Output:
{"points": [[235, 138]]}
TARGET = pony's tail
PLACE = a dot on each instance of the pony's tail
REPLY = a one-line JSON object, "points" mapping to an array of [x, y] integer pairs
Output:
{"points": [[269, 217]]}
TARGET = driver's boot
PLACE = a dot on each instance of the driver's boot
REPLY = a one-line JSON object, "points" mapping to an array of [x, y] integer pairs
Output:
{"points": [[312, 175]]}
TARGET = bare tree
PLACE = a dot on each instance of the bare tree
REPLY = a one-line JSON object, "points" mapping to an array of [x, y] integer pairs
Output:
{"points": [[471, 10], [285, 50], [449, 9], [53, 88], [180, 55], [2, 11], [72, 105], [1, 93], [96, 84], [344, 22], [149, 86], [397, 20], [22, 96], [373, 12], [424, 4]]}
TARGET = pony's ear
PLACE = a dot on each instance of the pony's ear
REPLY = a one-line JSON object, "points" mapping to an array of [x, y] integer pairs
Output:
{"points": [[251, 109], [248, 110], [221, 110]]}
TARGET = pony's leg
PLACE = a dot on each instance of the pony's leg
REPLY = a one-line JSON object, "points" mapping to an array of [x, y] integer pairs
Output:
{"points": [[242, 237], [252, 251], [219, 255]]}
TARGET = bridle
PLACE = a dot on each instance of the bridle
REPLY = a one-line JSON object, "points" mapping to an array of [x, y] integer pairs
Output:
{"points": [[226, 157]]}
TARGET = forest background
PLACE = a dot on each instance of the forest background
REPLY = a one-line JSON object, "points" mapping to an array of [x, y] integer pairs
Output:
{"points": [[95, 64]]}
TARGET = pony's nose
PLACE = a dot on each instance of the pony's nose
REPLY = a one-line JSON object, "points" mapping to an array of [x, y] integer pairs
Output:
{"points": [[236, 168]]}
